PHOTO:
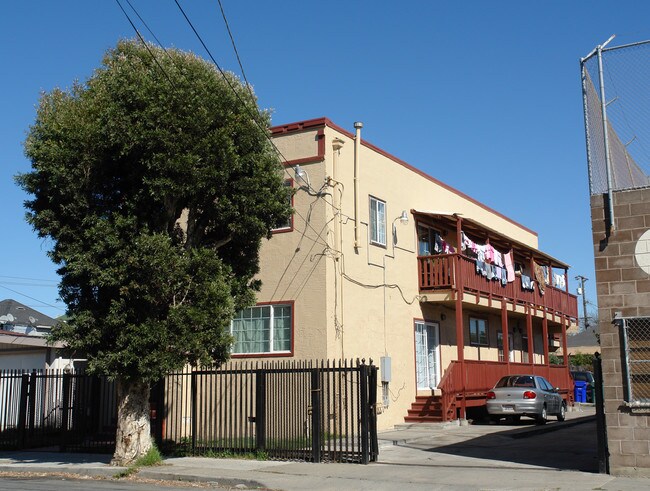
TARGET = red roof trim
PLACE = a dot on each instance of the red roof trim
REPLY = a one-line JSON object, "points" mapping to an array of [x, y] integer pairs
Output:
{"points": [[312, 123]]}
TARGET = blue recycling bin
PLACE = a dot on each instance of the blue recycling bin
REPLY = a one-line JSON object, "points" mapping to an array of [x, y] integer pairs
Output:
{"points": [[580, 391]]}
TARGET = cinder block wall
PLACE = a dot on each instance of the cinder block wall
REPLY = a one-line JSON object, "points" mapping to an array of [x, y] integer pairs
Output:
{"points": [[622, 286]]}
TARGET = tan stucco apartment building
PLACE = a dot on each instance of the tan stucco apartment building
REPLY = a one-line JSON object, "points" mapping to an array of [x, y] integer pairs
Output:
{"points": [[381, 261]]}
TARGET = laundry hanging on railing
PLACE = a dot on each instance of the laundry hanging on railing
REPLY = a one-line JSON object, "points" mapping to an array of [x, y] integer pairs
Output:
{"points": [[527, 283], [559, 281], [489, 261], [539, 276], [510, 267], [440, 246]]}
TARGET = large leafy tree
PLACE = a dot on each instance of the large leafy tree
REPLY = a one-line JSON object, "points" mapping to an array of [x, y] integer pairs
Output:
{"points": [[156, 182]]}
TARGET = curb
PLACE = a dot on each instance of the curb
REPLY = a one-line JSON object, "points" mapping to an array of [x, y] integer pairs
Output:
{"points": [[64, 469], [218, 481]]}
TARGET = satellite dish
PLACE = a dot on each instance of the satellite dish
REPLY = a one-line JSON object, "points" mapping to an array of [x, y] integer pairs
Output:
{"points": [[4, 318], [32, 320], [10, 318]]}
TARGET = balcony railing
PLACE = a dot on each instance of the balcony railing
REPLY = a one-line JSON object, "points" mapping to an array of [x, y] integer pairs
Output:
{"points": [[456, 272], [480, 376]]}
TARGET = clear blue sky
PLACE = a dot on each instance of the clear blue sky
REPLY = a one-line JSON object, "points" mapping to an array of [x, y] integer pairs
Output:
{"points": [[485, 96]]}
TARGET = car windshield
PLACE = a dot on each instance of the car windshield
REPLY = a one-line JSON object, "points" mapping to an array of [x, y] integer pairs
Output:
{"points": [[516, 381]]}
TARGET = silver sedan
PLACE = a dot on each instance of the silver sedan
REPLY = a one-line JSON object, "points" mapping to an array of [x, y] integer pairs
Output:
{"points": [[514, 396]]}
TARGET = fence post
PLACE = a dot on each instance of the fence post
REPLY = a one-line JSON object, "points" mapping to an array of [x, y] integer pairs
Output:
{"points": [[316, 436], [22, 410], [601, 428], [372, 406], [260, 409], [65, 411], [32, 403], [363, 398], [194, 411]]}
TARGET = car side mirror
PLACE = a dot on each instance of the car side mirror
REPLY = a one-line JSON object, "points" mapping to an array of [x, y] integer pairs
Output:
{"points": [[556, 389]]}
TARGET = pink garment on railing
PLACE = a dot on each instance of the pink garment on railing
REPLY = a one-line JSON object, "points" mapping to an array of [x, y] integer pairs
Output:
{"points": [[510, 268]]}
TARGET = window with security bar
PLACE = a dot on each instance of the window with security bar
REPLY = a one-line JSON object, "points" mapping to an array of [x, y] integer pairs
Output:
{"points": [[636, 348]]}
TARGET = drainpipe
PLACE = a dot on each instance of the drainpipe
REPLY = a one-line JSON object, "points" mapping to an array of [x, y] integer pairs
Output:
{"points": [[357, 149], [337, 144]]}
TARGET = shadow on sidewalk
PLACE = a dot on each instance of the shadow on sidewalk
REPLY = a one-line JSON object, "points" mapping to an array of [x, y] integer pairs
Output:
{"points": [[567, 446]]}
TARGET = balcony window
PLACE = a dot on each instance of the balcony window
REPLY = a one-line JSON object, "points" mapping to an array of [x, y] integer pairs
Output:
{"points": [[478, 332]]}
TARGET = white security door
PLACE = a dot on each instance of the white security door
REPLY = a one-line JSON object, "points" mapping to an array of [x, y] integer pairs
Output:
{"points": [[427, 355]]}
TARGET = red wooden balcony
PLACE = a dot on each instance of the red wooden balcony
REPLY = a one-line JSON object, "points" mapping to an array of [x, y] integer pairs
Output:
{"points": [[470, 380], [458, 273]]}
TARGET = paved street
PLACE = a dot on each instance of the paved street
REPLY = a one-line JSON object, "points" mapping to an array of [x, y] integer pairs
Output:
{"points": [[518, 445], [433, 457]]}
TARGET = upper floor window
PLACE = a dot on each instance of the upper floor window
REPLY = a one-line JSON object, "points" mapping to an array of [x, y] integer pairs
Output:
{"points": [[478, 332], [288, 225], [262, 329], [377, 221]]}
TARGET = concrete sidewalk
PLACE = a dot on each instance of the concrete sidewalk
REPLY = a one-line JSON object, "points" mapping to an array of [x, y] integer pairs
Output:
{"points": [[412, 457]]}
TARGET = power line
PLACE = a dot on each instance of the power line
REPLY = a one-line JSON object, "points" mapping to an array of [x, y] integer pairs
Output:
{"points": [[145, 43], [252, 114], [28, 279], [234, 47], [32, 298]]}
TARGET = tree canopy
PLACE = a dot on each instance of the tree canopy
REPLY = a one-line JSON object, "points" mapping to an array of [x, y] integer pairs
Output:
{"points": [[156, 182]]}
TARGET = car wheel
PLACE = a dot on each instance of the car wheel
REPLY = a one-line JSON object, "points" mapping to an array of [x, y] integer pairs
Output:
{"points": [[541, 418], [562, 414]]}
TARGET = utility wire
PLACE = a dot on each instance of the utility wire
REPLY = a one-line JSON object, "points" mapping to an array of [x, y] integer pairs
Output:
{"points": [[32, 298], [148, 29], [28, 279], [145, 44], [246, 107], [234, 47]]}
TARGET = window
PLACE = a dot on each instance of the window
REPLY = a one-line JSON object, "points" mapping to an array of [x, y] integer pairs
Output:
{"points": [[500, 346], [478, 332], [377, 221], [288, 225], [262, 329]]}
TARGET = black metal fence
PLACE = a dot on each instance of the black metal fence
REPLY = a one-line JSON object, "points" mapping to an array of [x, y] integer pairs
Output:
{"points": [[56, 410], [312, 411]]}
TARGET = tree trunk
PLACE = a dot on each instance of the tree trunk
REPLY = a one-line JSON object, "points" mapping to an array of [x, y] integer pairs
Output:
{"points": [[133, 439]]}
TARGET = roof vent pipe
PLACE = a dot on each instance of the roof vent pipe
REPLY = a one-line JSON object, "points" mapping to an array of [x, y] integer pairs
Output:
{"points": [[357, 148]]}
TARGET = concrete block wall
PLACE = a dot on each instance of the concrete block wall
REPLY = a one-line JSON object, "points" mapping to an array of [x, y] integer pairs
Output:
{"points": [[622, 286]]}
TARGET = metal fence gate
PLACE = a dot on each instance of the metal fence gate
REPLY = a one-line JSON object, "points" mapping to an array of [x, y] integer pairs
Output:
{"points": [[312, 411]]}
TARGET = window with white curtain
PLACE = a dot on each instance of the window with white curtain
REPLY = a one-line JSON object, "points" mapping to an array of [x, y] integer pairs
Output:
{"points": [[262, 329], [377, 221]]}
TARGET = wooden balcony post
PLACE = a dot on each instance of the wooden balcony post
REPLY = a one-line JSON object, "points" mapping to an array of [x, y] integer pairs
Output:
{"points": [[529, 333], [460, 342], [566, 280], [565, 354], [504, 332], [546, 341]]}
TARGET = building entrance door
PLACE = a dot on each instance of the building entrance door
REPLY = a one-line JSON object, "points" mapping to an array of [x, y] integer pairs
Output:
{"points": [[427, 354]]}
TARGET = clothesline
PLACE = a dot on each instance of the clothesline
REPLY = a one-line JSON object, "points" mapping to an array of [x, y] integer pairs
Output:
{"points": [[496, 265]]}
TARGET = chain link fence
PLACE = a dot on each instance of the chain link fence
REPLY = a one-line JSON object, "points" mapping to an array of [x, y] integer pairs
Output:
{"points": [[626, 87], [636, 366]]}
